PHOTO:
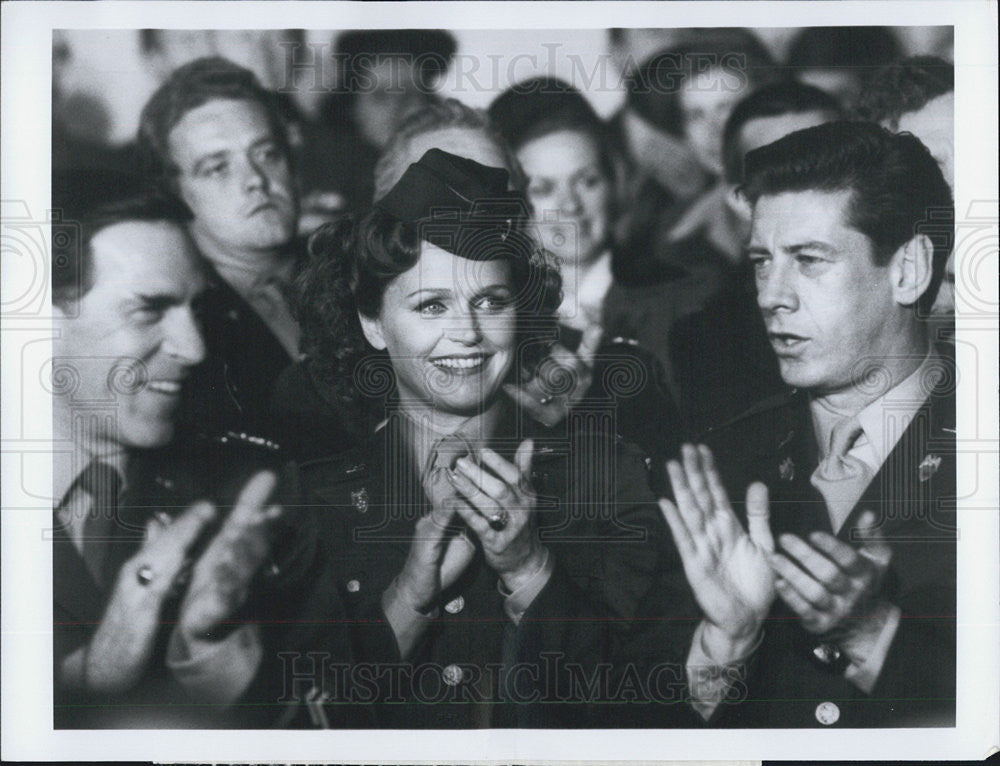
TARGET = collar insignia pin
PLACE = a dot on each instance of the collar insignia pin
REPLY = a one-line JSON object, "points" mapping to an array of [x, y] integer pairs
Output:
{"points": [[786, 469], [928, 467], [359, 500]]}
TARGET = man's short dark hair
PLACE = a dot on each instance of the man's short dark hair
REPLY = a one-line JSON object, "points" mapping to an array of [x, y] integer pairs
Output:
{"points": [[775, 100], [903, 87], [189, 87], [897, 188], [72, 254]]}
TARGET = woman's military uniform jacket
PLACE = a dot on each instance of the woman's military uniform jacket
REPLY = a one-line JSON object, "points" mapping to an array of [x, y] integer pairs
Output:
{"points": [[474, 667]]}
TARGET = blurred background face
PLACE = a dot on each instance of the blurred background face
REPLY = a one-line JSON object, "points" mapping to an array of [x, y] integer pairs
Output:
{"points": [[134, 336], [706, 101], [570, 193], [449, 325], [234, 176], [391, 91]]}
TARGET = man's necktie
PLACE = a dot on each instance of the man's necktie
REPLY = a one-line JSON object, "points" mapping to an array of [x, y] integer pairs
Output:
{"points": [[103, 484], [271, 303], [842, 477]]}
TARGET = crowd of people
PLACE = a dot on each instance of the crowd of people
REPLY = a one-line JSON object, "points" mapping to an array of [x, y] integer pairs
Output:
{"points": [[422, 416]]}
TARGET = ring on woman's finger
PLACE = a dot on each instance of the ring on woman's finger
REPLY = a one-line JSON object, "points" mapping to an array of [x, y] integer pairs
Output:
{"points": [[545, 400], [498, 521], [144, 575]]}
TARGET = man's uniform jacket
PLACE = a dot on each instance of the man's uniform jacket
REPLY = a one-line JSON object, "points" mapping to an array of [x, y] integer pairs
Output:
{"points": [[230, 392], [913, 497], [294, 607], [474, 667]]}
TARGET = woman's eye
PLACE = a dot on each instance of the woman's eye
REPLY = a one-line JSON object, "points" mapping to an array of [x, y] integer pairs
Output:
{"points": [[493, 303], [431, 308]]}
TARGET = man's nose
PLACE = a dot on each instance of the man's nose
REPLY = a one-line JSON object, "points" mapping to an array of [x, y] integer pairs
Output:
{"points": [[183, 339], [776, 289], [254, 177]]}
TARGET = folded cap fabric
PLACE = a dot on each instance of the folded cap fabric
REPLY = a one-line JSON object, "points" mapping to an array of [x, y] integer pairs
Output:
{"points": [[461, 206]]}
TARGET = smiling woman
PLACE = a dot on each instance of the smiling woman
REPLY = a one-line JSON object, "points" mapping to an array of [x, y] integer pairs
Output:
{"points": [[419, 313]]}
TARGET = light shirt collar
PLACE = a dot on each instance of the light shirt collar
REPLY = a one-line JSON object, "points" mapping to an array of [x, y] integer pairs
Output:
{"points": [[585, 308], [883, 420], [67, 467], [422, 434]]}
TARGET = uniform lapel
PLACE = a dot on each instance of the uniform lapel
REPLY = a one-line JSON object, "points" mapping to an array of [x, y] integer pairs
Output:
{"points": [[74, 591], [912, 475], [796, 506]]}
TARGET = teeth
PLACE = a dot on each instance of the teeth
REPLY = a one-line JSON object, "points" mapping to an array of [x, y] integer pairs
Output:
{"points": [[456, 363], [165, 386], [786, 340]]}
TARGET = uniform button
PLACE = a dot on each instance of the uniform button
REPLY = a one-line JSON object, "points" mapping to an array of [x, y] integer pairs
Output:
{"points": [[455, 606], [452, 675], [827, 713], [353, 586]]}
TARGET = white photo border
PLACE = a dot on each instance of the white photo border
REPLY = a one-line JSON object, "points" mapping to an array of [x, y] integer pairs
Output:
{"points": [[26, 407]]}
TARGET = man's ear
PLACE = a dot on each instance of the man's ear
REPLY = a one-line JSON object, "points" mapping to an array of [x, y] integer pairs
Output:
{"points": [[738, 203], [911, 269], [372, 328]]}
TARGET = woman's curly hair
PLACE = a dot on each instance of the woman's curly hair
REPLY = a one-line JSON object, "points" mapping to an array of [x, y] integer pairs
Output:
{"points": [[351, 262]]}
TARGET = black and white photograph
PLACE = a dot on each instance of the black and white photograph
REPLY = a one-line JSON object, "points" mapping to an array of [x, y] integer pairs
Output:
{"points": [[500, 382]]}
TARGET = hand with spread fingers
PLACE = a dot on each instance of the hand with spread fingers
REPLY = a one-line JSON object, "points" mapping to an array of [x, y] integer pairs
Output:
{"points": [[500, 510], [726, 565], [220, 578], [121, 647], [570, 372], [831, 585]]}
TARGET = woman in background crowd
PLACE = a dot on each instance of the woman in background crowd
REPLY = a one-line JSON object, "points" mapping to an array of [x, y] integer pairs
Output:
{"points": [[624, 300]]}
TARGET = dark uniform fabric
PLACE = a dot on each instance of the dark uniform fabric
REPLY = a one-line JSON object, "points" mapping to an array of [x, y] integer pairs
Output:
{"points": [[913, 497], [630, 386], [474, 667], [722, 360], [295, 608], [308, 421], [646, 303], [230, 392]]}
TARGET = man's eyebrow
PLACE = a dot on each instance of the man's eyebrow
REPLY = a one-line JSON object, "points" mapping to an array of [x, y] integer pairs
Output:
{"points": [[156, 300], [811, 245]]}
